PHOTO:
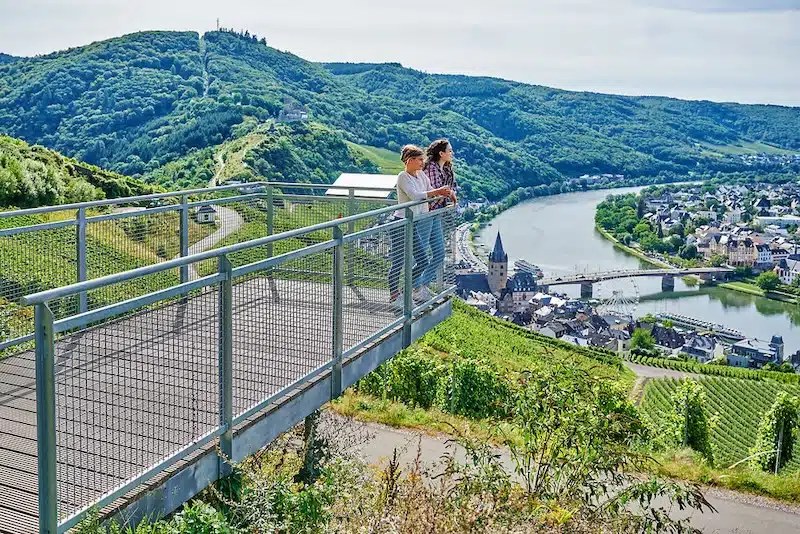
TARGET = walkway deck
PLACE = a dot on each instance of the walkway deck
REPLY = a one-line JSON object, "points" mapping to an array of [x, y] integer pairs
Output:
{"points": [[132, 392]]}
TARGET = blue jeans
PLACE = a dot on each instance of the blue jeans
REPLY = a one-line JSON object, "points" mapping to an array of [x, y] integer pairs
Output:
{"points": [[432, 236], [396, 256]]}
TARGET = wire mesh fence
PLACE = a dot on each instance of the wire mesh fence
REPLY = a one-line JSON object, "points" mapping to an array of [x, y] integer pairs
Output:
{"points": [[131, 393], [61, 246], [282, 327]]}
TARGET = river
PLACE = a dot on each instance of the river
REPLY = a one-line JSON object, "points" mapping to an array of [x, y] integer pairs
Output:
{"points": [[557, 233]]}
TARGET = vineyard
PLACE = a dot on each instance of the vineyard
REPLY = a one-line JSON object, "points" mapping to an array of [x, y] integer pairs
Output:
{"points": [[739, 404], [714, 370]]}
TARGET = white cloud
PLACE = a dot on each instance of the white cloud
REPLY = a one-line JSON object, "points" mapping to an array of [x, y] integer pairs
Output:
{"points": [[712, 49]]}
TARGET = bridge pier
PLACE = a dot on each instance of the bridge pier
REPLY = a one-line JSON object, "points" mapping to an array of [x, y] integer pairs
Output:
{"points": [[668, 283], [707, 278], [586, 290]]}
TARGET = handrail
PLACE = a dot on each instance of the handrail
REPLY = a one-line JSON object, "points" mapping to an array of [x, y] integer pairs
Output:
{"points": [[168, 194], [79, 287]]}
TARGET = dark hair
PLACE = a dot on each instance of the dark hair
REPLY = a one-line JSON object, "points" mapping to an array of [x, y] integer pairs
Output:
{"points": [[410, 151], [435, 149]]}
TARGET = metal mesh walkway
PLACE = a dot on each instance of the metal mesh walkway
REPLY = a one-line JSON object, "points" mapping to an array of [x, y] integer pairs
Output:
{"points": [[134, 391]]}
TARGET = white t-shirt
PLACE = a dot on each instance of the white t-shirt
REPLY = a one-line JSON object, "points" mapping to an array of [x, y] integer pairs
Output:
{"points": [[412, 188]]}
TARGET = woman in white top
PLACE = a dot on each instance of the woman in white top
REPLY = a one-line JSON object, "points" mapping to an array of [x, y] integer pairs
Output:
{"points": [[412, 184]]}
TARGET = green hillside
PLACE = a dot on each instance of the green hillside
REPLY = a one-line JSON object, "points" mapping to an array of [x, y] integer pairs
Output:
{"points": [[304, 152], [135, 103], [31, 176]]}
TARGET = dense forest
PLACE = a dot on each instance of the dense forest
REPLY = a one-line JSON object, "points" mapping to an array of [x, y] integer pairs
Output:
{"points": [[136, 103], [31, 176]]}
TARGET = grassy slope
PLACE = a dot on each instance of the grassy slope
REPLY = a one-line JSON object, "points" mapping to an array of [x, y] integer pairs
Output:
{"points": [[746, 147], [510, 348], [753, 289], [387, 161]]}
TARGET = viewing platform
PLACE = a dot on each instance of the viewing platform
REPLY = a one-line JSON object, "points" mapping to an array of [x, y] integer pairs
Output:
{"points": [[163, 347]]}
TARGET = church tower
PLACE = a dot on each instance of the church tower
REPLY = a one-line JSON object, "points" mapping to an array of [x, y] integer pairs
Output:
{"points": [[498, 267]]}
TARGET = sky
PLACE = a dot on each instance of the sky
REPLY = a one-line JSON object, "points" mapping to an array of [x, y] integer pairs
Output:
{"points": [[723, 50]]}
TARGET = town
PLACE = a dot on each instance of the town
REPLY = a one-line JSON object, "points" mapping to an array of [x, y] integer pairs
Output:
{"points": [[749, 229]]}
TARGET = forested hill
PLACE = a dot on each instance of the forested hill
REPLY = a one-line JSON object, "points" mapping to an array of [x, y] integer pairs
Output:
{"points": [[5, 58], [31, 176], [138, 102]]}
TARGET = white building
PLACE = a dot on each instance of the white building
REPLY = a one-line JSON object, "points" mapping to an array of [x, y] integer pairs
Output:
{"points": [[788, 269], [763, 256], [206, 214]]}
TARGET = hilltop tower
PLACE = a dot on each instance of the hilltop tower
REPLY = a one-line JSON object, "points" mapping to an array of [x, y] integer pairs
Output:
{"points": [[498, 267]]}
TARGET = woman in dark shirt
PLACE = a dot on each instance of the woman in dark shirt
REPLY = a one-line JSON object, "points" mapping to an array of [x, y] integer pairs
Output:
{"points": [[439, 169]]}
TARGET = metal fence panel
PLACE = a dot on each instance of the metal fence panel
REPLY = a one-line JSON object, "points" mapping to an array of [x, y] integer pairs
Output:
{"points": [[131, 393], [282, 324]]}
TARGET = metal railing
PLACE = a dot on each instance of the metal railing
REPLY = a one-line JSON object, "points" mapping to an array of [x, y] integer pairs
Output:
{"points": [[129, 388], [47, 247]]}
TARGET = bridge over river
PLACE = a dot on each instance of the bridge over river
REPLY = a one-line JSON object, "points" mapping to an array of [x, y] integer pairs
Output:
{"points": [[586, 280], [132, 389]]}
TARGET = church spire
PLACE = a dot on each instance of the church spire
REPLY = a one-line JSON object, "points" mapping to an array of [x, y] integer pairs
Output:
{"points": [[498, 254]]}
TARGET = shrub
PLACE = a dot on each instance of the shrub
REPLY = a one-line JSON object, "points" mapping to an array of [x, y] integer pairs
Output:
{"points": [[473, 389], [691, 425], [776, 433]]}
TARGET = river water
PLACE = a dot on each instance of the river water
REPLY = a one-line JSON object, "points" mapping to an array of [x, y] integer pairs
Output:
{"points": [[557, 233]]}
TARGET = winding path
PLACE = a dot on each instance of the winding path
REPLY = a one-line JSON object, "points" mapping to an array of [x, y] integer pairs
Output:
{"points": [[228, 222]]}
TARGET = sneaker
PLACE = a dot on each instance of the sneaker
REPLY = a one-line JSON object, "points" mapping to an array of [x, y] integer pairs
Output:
{"points": [[422, 295], [397, 304]]}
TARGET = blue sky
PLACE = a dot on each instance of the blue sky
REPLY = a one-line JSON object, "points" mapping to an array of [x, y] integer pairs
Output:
{"points": [[722, 50]]}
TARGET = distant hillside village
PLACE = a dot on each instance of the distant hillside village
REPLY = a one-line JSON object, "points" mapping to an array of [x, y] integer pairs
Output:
{"points": [[752, 226], [516, 297]]}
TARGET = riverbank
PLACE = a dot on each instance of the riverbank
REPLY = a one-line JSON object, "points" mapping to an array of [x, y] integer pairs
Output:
{"points": [[753, 289], [633, 252]]}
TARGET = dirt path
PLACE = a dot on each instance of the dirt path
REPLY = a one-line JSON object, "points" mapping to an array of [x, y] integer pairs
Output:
{"points": [[645, 371]]}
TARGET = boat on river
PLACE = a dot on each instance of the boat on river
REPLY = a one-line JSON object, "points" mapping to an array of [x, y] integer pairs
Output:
{"points": [[527, 267]]}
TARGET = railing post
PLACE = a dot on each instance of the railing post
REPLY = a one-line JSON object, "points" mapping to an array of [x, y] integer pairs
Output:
{"points": [[81, 257], [46, 419], [338, 323], [270, 218], [225, 366], [408, 278], [184, 236], [351, 228]]}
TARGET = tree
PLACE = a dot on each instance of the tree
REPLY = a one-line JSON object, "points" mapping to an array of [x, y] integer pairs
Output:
{"points": [[691, 424], [775, 438], [688, 252], [717, 260], [642, 340], [649, 318], [668, 323], [677, 229], [641, 207], [768, 281]]}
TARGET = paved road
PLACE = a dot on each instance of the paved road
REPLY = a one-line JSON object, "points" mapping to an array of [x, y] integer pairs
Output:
{"points": [[645, 371], [738, 513], [464, 249], [228, 222]]}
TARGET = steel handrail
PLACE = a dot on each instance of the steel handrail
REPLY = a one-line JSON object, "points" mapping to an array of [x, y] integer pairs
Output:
{"points": [[185, 192], [80, 287]]}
